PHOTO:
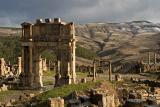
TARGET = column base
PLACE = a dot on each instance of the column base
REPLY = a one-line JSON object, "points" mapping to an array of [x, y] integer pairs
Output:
{"points": [[27, 80], [60, 81], [37, 86]]}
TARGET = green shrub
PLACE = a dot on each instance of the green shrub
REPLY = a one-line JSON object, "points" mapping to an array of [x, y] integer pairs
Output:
{"points": [[85, 53], [64, 91], [10, 48]]}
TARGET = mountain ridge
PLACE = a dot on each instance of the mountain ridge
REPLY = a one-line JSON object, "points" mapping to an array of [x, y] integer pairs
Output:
{"points": [[128, 41]]}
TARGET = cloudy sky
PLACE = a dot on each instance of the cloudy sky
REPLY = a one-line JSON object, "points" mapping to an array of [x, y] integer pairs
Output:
{"points": [[14, 12]]}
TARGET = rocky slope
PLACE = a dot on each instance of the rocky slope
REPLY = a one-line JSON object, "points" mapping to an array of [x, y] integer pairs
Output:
{"points": [[120, 42]]}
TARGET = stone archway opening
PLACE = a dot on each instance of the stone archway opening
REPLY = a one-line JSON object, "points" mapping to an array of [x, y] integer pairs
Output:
{"points": [[54, 35], [48, 66]]}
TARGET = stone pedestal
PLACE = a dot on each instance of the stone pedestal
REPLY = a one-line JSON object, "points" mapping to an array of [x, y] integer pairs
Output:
{"points": [[38, 81], [55, 102], [103, 100], [38, 72]]}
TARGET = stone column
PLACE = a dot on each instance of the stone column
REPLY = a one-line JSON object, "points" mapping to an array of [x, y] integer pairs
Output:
{"points": [[2, 65], [149, 58], [141, 61], [22, 58], [26, 73], [58, 74], [89, 70], [155, 58], [49, 65], [19, 65], [110, 71], [94, 70], [54, 66], [44, 64], [30, 77], [69, 69], [38, 72], [140, 70], [22, 36], [73, 61], [58, 70]]}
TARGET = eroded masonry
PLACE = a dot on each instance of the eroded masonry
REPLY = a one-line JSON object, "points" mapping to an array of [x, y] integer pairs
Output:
{"points": [[53, 35], [150, 66]]}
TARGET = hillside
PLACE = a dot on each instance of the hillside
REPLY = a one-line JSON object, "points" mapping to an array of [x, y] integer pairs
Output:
{"points": [[9, 31], [120, 42]]}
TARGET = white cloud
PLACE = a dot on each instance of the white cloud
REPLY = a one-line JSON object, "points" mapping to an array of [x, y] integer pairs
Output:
{"points": [[5, 21], [80, 11]]}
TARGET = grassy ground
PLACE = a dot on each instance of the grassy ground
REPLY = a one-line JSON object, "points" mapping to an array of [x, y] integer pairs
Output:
{"points": [[3, 94], [64, 91], [6, 96], [48, 73], [48, 78], [81, 74]]}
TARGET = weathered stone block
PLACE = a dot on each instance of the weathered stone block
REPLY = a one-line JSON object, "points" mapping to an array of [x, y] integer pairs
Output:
{"points": [[103, 100], [56, 102], [4, 87], [118, 77]]}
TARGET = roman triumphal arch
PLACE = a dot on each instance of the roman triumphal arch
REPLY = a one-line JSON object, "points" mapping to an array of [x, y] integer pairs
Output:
{"points": [[55, 35]]}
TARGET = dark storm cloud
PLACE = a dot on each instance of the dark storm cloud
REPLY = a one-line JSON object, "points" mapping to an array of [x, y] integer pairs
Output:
{"points": [[13, 12]]}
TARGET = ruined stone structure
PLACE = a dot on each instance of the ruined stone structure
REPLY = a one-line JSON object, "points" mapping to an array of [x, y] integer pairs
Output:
{"points": [[4, 69], [84, 68], [149, 66], [53, 35], [99, 65]]}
